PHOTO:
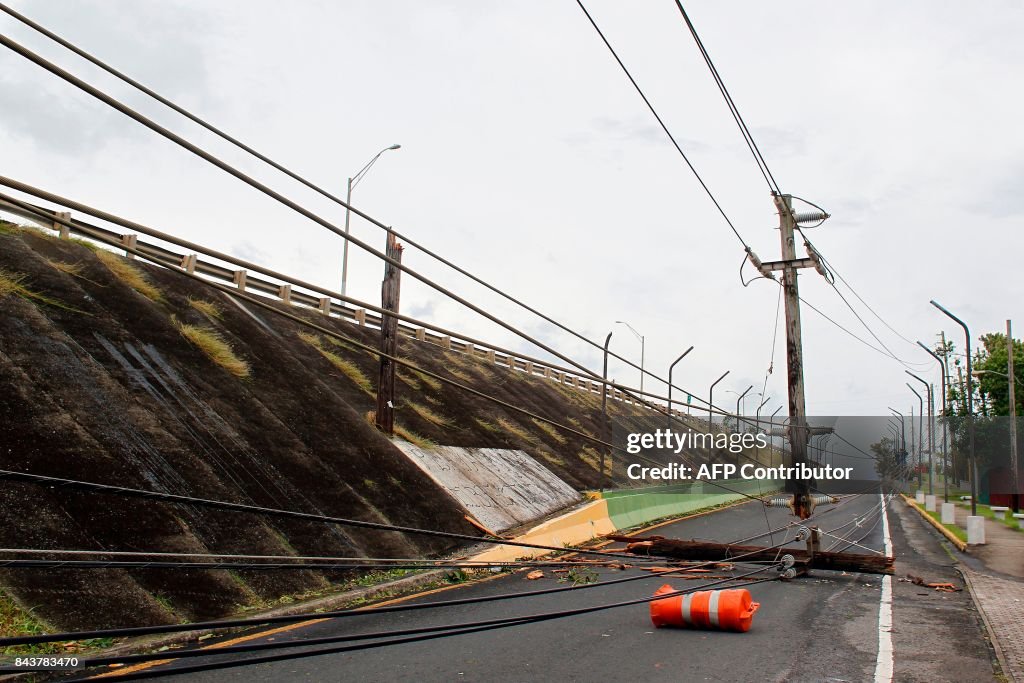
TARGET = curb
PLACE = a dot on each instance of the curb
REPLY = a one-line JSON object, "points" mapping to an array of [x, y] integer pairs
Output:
{"points": [[960, 545]]}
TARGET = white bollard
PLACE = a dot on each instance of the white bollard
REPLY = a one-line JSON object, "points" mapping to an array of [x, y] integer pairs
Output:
{"points": [[919, 497], [949, 513], [975, 530], [929, 503]]}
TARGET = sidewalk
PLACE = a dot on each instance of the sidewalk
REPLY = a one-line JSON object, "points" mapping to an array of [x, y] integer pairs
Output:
{"points": [[995, 576]]}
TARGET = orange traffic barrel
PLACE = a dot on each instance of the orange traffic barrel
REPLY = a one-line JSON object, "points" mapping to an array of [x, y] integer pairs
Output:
{"points": [[727, 610]]}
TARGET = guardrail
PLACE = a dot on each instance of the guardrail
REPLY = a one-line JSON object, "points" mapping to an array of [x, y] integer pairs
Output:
{"points": [[294, 292]]}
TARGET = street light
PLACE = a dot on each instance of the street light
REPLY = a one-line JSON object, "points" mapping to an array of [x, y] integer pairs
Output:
{"points": [[970, 409], [920, 428], [1011, 381], [604, 409], [903, 430], [670, 369], [641, 338], [352, 182], [711, 396], [741, 397], [931, 430], [943, 370]]}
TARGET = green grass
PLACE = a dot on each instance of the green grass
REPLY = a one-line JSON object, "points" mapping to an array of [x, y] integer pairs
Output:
{"points": [[129, 274], [1006, 518], [15, 621], [953, 528], [215, 347]]}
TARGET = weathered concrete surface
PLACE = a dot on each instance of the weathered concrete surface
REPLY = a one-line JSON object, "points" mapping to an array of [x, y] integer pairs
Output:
{"points": [[501, 488]]}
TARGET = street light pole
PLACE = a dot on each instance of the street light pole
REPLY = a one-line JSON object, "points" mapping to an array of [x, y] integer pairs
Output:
{"points": [[920, 429], [352, 182], [670, 369], [931, 431], [738, 406], [903, 430], [945, 465], [711, 396], [970, 410], [642, 345], [1011, 381], [604, 407]]}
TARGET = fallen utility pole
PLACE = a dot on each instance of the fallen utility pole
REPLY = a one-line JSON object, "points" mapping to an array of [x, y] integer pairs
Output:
{"points": [[704, 551]]}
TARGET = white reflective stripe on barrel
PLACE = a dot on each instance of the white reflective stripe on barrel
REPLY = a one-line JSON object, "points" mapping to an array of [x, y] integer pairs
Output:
{"points": [[713, 608], [685, 609]]}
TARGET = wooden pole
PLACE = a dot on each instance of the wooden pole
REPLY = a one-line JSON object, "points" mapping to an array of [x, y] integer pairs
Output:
{"points": [[389, 297], [798, 434], [804, 559]]}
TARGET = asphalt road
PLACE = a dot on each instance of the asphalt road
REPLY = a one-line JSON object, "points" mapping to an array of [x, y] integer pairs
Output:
{"points": [[824, 627]]}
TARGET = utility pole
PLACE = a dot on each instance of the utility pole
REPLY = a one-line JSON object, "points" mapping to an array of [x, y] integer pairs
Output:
{"points": [[789, 265], [389, 296], [794, 356]]}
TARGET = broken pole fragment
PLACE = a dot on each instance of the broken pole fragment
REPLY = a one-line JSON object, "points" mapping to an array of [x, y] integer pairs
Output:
{"points": [[710, 552]]}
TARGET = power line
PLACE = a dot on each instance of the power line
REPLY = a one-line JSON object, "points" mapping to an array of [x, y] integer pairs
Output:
{"points": [[255, 184], [832, 268], [132, 631], [274, 566], [415, 634], [319, 190], [663, 126], [831, 282], [762, 165], [109, 489]]}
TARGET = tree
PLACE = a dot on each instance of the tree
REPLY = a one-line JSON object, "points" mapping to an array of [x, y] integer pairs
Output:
{"points": [[888, 463]]}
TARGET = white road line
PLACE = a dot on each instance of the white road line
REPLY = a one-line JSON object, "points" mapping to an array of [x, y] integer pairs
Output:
{"points": [[884, 662]]}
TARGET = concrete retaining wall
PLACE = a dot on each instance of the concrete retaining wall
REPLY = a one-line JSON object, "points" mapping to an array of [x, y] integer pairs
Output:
{"points": [[500, 488]]}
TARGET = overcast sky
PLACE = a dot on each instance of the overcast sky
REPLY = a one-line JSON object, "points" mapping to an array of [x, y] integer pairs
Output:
{"points": [[528, 158]]}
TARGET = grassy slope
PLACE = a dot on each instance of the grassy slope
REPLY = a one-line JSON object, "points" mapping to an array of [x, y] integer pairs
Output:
{"points": [[98, 383]]}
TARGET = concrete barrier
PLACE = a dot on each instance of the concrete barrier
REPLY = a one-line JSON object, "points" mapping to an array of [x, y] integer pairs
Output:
{"points": [[929, 503], [975, 530], [949, 513]]}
